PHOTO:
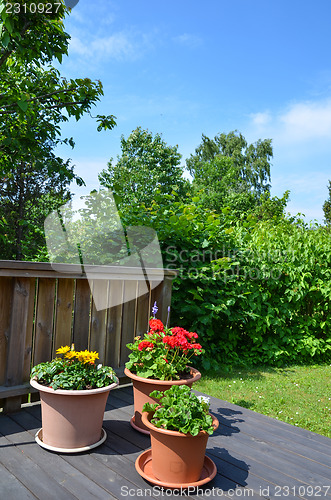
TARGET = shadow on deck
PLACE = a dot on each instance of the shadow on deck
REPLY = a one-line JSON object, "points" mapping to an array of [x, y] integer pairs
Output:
{"points": [[256, 457]]}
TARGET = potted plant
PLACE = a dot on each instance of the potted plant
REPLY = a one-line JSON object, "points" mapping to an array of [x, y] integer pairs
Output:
{"points": [[159, 360], [179, 426], [73, 393]]}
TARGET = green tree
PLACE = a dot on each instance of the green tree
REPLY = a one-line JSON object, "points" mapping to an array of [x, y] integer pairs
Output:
{"points": [[146, 166], [230, 171], [218, 185], [32, 36], [327, 208], [271, 207], [34, 101], [29, 42]]}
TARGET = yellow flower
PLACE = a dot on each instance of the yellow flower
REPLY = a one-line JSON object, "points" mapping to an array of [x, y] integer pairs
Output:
{"points": [[92, 357], [63, 350], [81, 356], [70, 354]]}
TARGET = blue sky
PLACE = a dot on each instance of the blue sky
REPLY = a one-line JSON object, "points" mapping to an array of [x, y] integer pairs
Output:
{"points": [[183, 68]]}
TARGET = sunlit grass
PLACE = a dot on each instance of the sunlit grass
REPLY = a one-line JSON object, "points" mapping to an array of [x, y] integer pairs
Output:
{"points": [[299, 395]]}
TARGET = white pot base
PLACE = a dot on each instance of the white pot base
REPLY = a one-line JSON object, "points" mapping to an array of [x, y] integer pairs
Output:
{"points": [[39, 437]]}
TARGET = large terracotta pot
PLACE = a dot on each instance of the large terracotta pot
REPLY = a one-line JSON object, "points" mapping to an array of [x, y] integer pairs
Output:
{"points": [[71, 419], [177, 458], [142, 387]]}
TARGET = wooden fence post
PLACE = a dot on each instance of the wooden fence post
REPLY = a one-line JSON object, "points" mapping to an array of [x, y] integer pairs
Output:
{"points": [[16, 339]]}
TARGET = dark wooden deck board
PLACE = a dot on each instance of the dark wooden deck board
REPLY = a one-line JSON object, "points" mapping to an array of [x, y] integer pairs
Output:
{"points": [[11, 488], [256, 456]]}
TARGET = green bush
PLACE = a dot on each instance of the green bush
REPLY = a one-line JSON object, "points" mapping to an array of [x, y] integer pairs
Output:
{"points": [[255, 291]]}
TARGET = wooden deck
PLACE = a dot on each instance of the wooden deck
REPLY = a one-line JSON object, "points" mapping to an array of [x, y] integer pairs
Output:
{"points": [[256, 457]]}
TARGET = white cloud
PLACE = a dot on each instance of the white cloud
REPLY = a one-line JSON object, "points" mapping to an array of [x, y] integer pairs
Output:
{"points": [[308, 191], [308, 120], [118, 46], [299, 122], [261, 119], [312, 183], [301, 138], [311, 214], [188, 39], [76, 15], [78, 47]]}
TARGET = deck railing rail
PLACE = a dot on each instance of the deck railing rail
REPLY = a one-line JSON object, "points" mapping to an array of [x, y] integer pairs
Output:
{"points": [[42, 309]]}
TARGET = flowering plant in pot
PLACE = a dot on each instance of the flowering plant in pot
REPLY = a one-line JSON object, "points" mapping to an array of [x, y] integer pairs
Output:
{"points": [[73, 393], [158, 360], [179, 424], [73, 370]]}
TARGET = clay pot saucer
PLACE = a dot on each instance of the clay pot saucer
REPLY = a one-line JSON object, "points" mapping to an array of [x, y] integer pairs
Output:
{"points": [[39, 440], [144, 468]]}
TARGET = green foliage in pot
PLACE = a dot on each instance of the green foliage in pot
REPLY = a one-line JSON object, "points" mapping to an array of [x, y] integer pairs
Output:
{"points": [[180, 410], [74, 370]]}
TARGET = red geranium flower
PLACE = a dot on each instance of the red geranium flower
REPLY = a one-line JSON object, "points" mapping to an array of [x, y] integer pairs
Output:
{"points": [[167, 350], [178, 340], [144, 345], [156, 325], [170, 341], [177, 330]]}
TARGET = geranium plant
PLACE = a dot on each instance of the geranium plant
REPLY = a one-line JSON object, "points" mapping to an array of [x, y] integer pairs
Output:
{"points": [[179, 409], [73, 370], [163, 353]]}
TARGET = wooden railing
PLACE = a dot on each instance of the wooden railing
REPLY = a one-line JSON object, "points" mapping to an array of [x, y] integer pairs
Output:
{"points": [[42, 309]]}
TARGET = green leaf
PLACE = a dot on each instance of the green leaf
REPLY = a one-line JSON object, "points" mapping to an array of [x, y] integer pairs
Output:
{"points": [[9, 25], [5, 40], [117, 198], [23, 105]]}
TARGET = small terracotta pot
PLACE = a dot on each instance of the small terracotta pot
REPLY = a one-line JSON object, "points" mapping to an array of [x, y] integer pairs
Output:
{"points": [[142, 387], [176, 457], [72, 418]]}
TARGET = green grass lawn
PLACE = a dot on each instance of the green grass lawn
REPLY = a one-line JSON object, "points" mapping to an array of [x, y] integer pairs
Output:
{"points": [[299, 395]]}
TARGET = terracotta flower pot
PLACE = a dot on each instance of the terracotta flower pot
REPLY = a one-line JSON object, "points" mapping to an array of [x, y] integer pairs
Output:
{"points": [[177, 458], [71, 419], [142, 387]]}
